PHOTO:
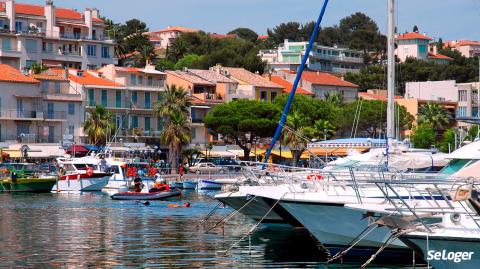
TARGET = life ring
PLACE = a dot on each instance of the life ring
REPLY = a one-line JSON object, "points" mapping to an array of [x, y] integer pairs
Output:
{"points": [[314, 177], [89, 171]]}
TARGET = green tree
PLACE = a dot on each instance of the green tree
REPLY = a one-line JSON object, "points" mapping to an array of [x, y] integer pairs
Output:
{"points": [[423, 136], [175, 134], [164, 64], [371, 119], [190, 61], [324, 129], [129, 37], [99, 125], [296, 135], [38, 68], [312, 109], [334, 98], [237, 118], [174, 99], [245, 33], [434, 115], [415, 29], [448, 141], [191, 155], [145, 56]]}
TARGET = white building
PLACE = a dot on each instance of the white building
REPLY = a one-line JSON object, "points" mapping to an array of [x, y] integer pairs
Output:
{"points": [[416, 45], [53, 36], [466, 47], [165, 37], [322, 58]]}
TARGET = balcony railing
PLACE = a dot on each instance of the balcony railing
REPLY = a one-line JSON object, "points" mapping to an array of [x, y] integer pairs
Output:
{"points": [[209, 97], [197, 120], [30, 138], [33, 114], [55, 115], [140, 132]]}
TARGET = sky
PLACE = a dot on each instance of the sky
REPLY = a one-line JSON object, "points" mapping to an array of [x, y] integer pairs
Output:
{"points": [[448, 19]]}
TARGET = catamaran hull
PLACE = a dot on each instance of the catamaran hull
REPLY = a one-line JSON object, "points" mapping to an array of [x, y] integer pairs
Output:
{"points": [[469, 248], [333, 224], [82, 184]]}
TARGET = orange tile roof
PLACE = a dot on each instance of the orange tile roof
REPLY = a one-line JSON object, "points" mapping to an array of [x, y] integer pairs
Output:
{"points": [[128, 69], [55, 77], [287, 86], [261, 37], [322, 78], [38, 10], [413, 35], [89, 80], [467, 43], [439, 56], [250, 78], [371, 96], [174, 29], [10, 74], [221, 36]]}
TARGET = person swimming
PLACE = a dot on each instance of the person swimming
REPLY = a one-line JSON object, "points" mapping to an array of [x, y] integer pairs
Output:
{"points": [[186, 205]]}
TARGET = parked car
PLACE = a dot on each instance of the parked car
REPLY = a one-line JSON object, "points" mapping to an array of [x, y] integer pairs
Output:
{"points": [[206, 168]]}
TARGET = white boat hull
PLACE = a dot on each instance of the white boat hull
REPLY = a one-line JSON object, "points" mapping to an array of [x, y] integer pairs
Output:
{"points": [[334, 224], [209, 185], [468, 248], [83, 184]]}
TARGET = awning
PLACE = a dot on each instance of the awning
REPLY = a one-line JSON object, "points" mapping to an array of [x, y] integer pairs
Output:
{"points": [[225, 154], [72, 24], [91, 148], [12, 153], [332, 151], [200, 106], [287, 154], [77, 149]]}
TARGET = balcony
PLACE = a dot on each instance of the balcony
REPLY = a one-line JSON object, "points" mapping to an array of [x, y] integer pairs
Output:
{"points": [[209, 97], [55, 115], [15, 114], [155, 86], [10, 52], [30, 138], [138, 132]]}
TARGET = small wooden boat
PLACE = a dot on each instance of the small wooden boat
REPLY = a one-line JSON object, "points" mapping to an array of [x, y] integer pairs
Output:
{"points": [[25, 177], [209, 185], [145, 196]]}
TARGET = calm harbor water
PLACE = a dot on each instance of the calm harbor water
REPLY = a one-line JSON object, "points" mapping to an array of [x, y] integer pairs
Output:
{"points": [[90, 230]]}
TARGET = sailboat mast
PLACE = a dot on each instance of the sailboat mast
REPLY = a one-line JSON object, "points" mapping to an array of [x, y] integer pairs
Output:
{"points": [[391, 70]]}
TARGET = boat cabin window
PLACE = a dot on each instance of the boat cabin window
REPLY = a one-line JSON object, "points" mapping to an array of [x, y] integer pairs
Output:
{"points": [[455, 166], [114, 169], [83, 166]]}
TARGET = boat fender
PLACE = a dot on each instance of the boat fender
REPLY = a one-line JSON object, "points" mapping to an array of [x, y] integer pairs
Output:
{"points": [[89, 171], [14, 176], [314, 177]]}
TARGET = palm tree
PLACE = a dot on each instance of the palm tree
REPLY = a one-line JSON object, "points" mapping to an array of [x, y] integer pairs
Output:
{"points": [[324, 129], [175, 134], [177, 50], [99, 125], [434, 115], [145, 56], [38, 68], [173, 99], [296, 135]]}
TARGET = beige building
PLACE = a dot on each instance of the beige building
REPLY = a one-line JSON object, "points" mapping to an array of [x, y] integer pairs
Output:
{"points": [[165, 37], [53, 36], [38, 108], [466, 47]]}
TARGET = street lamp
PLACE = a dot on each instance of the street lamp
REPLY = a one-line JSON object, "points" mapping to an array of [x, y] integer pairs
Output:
{"points": [[248, 136]]}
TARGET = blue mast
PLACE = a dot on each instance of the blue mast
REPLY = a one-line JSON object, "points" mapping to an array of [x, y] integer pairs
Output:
{"points": [[278, 132]]}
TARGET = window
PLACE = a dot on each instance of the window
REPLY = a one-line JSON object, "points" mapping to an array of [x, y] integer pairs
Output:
{"points": [[105, 52], [134, 97], [29, 63], [71, 129], [150, 81], [71, 109], [159, 124], [273, 95], [422, 49], [57, 87], [91, 97], [159, 97], [44, 86], [462, 95], [92, 50], [18, 26], [91, 67], [31, 45], [198, 89], [134, 121], [50, 111], [140, 80], [104, 98], [147, 123], [147, 100], [118, 98], [6, 44], [263, 96], [194, 133], [133, 79]]}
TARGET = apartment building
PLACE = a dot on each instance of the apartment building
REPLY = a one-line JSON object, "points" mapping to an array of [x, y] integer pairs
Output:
{"points": [[38, 108], [322, 84], [250, 85], [322, 58], [466, 47], [165, 37], [416, 45], [207, 88], [54, 36], [142, 91]]}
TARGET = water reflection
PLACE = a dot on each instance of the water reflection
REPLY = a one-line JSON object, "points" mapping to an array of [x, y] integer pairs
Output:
{"points": [[91, 230]]}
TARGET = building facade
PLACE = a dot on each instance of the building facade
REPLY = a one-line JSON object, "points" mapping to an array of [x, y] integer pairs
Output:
{"points": [[466, 47], [323, 84], [417, 46], [322, 58], [38, 108], [53, 36], [165, 37]]}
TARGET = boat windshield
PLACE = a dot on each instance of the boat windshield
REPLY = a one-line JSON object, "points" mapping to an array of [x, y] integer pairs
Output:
{"points": [[83, 166], [455, 165]]}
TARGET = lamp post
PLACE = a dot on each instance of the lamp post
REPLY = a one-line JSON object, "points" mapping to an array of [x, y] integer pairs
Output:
{"points": [[248, 144]]}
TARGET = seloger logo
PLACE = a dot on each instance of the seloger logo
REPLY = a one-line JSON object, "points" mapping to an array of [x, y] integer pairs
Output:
{"points": [[449, 256]]}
